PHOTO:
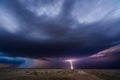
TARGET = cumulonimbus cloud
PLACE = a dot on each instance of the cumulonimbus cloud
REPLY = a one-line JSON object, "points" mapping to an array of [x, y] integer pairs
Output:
{"points": [[51, 27]]}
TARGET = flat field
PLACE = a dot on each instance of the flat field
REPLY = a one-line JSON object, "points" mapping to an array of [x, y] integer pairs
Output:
{"points": [[59, 74]]}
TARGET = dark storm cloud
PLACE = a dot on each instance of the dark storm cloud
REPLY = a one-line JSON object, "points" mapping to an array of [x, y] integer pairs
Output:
{"points": [[2, 54], [108, 52], [108, 58], [21, 62], [58, 28], [16, 62], [7, 61], [11, 60]]}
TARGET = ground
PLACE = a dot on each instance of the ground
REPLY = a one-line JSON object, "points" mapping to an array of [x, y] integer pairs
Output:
{"points": [[59, 74]]}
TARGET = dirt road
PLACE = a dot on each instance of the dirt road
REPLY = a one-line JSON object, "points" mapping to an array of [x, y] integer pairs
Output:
{"points": [[85, 76]]}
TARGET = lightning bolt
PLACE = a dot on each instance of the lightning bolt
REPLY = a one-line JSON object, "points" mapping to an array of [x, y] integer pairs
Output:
{"points": [[71, 64]]}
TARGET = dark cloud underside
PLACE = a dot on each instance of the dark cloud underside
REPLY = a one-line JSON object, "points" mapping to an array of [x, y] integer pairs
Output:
{"points": [[58, 28]]}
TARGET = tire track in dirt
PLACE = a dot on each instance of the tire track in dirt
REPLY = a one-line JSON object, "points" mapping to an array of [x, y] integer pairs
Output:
{"points": [[81, 75]]}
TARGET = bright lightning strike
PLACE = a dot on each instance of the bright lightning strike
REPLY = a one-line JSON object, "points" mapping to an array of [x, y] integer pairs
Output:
{"points": [[71, 63]]}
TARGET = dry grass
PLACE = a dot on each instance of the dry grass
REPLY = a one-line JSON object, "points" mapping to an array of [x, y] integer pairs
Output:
{"points": [[56, 74]]}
